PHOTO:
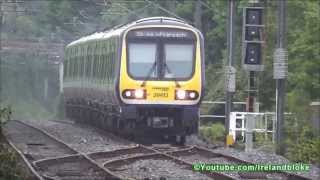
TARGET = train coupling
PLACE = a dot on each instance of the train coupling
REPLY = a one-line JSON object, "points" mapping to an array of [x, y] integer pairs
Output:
{"points": [[160, 122]]}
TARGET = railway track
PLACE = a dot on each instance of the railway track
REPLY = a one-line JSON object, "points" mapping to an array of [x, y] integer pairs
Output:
{"points": [[51, 158]]}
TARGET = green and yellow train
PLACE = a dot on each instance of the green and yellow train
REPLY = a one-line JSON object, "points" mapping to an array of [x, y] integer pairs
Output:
{"points": [[144, 78]]}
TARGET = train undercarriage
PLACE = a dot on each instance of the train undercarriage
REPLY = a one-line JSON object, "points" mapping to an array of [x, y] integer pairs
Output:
{"points": [[171, 123]]}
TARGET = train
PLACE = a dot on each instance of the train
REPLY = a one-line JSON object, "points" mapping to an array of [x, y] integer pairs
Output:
{"points": [[144, 78]]}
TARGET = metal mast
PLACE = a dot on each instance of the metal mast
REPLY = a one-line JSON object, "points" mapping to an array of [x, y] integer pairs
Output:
{"points": [[280, 72], [230, 70]]}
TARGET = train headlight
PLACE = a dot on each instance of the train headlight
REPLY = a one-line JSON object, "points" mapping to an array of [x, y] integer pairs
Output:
{"points": [[128, 93], [134, 94], [186, 94], [192, 95], [139, 93], [180, 94]]}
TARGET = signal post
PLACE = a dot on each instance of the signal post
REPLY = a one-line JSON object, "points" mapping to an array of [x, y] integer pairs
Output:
{"points": [[252, 41], [252, 53]]}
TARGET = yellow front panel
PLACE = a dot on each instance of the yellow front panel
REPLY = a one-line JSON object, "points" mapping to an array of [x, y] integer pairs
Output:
{"points": [[160, 92]]}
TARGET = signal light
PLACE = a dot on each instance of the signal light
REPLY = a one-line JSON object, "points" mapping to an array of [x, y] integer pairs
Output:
{"points": [[253, 33], [254, 15], [253, 54], [252, 38]]}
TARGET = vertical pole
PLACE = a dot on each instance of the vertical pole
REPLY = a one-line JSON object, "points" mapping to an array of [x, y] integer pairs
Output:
{"points": [[280, 83], [230, 43], [0, 51], [198, 15], [250, 124], [251, 92]]}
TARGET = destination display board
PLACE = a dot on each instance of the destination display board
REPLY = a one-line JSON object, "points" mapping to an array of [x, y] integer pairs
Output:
{"points": [[161, 33]]}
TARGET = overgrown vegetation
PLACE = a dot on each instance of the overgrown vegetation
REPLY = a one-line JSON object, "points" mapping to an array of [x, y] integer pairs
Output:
{"points": [[213, 133], [304, 146], [5, 114], [9, 168]]}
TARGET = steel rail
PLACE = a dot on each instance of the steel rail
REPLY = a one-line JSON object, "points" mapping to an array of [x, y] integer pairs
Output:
{"points": [[66, 145]]}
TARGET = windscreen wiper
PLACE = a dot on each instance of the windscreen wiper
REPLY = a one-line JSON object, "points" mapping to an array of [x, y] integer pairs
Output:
{"points": [[170, 72], [149, 74]]}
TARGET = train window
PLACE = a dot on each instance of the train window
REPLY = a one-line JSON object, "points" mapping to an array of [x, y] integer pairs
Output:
{"points": [[72, 71], [81, 62], [95, 64], [89, 62], [65, 66], [108, 60], [142, 59], [111, 66], [178, 60], [84, 59], [98, 65], [78, 62]]}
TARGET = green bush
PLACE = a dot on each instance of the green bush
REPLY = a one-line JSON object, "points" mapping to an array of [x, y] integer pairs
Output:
{"points": [[306, 148], [213, 133], [9, 166], [8, 163], [5, 114]]}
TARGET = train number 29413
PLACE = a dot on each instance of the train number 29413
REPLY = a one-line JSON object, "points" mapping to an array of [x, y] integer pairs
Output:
{"points": [[162, 94]]}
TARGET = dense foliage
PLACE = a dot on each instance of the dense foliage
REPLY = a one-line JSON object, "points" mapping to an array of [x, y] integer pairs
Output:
{"points": [[9, 169], [5, 114], [213, 133], [64, 20], [8, 163]]}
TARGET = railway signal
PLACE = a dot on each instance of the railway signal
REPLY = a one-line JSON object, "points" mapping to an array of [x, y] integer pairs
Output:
{"points": [[252, 38]]}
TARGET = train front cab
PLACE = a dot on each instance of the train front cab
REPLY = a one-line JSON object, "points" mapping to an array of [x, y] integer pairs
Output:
{"points": [[161, 80]]}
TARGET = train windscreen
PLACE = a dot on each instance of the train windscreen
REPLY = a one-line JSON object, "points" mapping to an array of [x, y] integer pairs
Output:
{"points": [[142, 59], [178, 60], [161, 54]]}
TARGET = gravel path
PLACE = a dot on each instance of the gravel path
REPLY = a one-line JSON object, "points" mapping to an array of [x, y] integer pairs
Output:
{"points": [[72, 168], [32, 143], [85, 139]]}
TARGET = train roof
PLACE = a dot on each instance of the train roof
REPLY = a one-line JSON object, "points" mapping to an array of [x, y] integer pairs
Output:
{"points": [[117, 30]]}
